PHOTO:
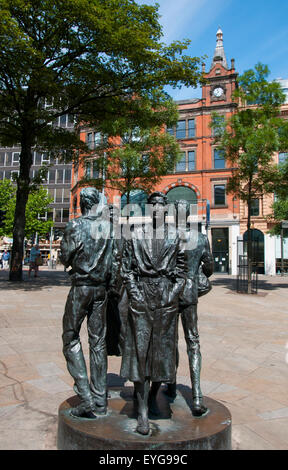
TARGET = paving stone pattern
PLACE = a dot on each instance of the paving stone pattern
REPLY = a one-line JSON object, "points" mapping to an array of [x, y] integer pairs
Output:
{"points": [[244, 344]]}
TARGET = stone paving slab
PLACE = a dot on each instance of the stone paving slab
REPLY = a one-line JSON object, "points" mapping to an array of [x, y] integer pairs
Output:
{"points": [[244, 344]]}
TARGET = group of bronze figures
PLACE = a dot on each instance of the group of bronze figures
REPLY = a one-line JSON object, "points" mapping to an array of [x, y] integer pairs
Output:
{"points": [[132, 291]]}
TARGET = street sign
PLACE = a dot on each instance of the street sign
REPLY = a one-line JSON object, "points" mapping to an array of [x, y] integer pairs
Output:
{"points": [[284, 223]]}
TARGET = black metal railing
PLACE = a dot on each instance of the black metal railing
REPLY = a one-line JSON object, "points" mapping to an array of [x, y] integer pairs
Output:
{"points": [[242, 276]]}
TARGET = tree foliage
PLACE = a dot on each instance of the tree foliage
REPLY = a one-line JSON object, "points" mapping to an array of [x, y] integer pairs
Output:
{"points": [[95, 59], [280, 213], [251, 137], [87, 57], [37, 206], [253, 134], [137, 158]]}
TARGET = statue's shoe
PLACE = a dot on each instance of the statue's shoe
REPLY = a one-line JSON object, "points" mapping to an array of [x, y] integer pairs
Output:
{"points": [[198, 409], [100, 409], [143, 425], [84, 410]]}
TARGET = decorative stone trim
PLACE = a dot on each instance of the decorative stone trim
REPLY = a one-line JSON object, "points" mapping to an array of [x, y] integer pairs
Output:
{"points": [[182, 183]]}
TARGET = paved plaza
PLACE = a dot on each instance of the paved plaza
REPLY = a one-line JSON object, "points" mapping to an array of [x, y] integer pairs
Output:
{"points": [[244, 343]]}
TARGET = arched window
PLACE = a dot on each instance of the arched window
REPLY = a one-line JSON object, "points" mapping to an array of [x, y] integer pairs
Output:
{"points": [[182, 192], [186, 194]]}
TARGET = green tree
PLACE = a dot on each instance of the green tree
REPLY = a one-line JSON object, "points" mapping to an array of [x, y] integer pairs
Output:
{"points": [[7, 191], [135, 161], [280, 212], [37, 206], [250, 137], [95, 59], [279, 208]]}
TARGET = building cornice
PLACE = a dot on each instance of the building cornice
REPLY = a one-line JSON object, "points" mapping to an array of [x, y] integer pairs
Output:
{"points": [[222, 78], [208, 109]]}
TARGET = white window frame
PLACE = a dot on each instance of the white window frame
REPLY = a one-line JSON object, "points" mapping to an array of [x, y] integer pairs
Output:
{"points": [[219, 183], [15, 162], [56, 178], [13, 171], [187, 170], [45, 160], [55, 199]]}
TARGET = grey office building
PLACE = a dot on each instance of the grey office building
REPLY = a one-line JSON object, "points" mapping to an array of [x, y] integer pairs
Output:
{"points": [[58, 182]]}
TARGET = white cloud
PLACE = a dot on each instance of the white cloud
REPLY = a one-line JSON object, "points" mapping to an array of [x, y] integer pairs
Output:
{"points": [[190, 19], [177, 15], [187, 18]]}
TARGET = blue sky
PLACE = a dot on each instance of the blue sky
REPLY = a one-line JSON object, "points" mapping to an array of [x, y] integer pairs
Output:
{"points": [[253, 31]]}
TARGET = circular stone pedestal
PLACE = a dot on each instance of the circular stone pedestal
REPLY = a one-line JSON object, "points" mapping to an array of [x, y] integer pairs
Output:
{"points": [[174, 429]]}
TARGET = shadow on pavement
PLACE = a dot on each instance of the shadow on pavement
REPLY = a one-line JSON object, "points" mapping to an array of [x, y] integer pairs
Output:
{"points": [[46, 279], [114, 380], [230, 283], [57, 278]]}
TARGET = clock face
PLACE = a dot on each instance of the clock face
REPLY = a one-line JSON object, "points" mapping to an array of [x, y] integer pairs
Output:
{"points": [[218, 91]]}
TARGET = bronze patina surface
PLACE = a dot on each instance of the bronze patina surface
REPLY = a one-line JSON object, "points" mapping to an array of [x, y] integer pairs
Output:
{"points": [[174, 429], [149, 279]]}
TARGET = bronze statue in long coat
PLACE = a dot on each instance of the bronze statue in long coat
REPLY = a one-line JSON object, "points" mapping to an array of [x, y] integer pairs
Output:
{"points": [[153, 272]]}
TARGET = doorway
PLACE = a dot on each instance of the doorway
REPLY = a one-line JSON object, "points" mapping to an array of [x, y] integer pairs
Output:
{"points": [[220, 249], [257, 241]]}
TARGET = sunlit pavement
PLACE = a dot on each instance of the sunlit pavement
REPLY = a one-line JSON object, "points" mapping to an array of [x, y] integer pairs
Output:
{"points": [[244, 344]]}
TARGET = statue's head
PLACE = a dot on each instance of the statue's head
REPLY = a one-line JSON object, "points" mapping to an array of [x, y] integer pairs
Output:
{"points": [[182, 211], [89, 197], [157, 198], [158, 206], [185, 205]]}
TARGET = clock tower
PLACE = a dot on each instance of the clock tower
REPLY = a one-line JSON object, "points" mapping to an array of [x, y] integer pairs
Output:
{"points": [[221, 80]]}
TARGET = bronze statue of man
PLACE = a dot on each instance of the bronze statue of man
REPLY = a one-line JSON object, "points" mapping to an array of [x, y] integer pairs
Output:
{"points": [[153, 272], [199, 263], [86, 247]]}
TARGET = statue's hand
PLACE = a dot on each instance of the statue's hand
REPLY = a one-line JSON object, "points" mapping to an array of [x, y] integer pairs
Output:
{"points": [[177, 288], [171, 294], [186, 295], [134, 291]]}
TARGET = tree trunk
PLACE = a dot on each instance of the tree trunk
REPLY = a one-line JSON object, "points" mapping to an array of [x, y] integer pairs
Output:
{"points": [[22, 194], [128, 202]]}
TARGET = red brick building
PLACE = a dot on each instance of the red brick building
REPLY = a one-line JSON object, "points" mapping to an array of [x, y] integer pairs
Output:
{"points": [[201, 175]]}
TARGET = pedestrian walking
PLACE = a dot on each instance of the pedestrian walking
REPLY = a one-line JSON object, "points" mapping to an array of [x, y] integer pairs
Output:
{"points": [[5, 259], [34, 260]]}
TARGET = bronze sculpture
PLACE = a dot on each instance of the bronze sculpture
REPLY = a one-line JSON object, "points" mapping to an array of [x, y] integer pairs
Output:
{"points": [[86, 247], [199, 263], [158, 274], [151, 265], [113, 317]]}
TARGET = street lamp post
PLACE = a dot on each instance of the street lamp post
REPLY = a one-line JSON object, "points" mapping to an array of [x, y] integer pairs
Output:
{"points": [[284, 224], [207, 215], [51, 235]]}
